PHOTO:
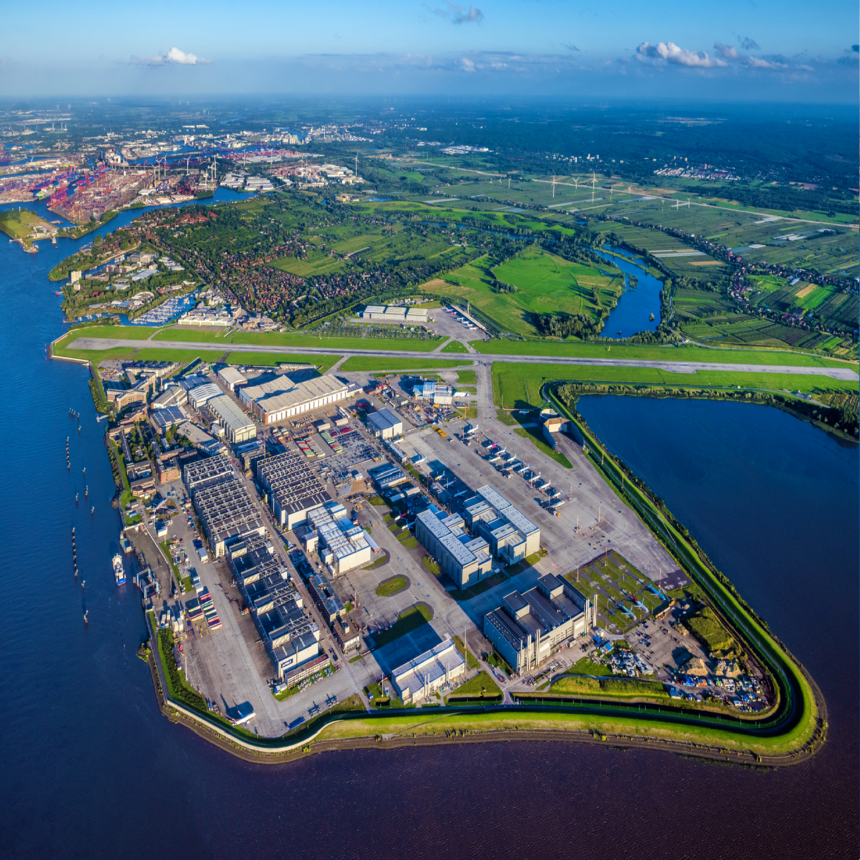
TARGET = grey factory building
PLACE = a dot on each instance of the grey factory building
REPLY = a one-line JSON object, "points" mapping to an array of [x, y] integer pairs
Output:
{"points": [[237, 426], [510, 533], [464, 558], [291, 639], [293, 489], [385, 424], [226, 512], [528, 627], [281, 398]]}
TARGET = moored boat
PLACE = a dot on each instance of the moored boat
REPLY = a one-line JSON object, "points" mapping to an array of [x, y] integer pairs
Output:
{"points": [[118, 569]]}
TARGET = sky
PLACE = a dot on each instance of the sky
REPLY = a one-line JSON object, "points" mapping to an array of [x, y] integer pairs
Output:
{"points": [[791, 50]]}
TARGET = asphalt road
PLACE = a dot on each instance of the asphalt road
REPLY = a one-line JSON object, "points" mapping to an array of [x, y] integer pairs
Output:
{"points": [[671, 366]]}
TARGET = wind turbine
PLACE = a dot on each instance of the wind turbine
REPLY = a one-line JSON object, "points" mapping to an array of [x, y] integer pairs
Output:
{"points": [[553, 188]]}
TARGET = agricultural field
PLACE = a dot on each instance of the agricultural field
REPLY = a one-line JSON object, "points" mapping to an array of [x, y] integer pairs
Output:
{"points": [[827, 248], [544, 282]]}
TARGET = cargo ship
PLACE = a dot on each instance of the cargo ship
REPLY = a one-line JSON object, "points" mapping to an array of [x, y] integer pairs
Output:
{"points": [[118, 569]]}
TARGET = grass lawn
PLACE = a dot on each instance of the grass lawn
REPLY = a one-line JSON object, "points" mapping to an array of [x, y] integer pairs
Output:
{"points": [[431, 565], [371, 364], [408, 620], [306, 340], [584, 666], [466, 377], [271, 359], [378, 563], [578, 349], [454, 346], [392, 586], [616, 687], [482, 686], [535, 434]]}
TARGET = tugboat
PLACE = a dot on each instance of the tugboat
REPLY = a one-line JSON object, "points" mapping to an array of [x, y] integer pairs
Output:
{"points": [[118, 569]]}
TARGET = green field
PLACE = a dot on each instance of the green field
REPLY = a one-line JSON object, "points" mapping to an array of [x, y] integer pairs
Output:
{"points": [[370, 363], [545, 284], [577, 349], [454, 346], [18, 224], [271, 359]]}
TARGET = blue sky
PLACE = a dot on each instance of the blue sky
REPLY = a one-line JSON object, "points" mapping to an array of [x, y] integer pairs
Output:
{"points": [[744, 49]]}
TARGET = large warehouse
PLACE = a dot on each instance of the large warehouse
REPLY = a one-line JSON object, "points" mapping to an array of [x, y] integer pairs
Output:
{"points": [[528, 627], [510, 533], [281, 398], [238, 427], [293, 489], [291, 638], [465, 559], [395, 313], [225, 509], [421, 677], [385, 424], [341, 544]]}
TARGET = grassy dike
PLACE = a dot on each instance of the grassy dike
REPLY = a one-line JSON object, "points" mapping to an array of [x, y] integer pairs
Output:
{"points": [[786, 734]]}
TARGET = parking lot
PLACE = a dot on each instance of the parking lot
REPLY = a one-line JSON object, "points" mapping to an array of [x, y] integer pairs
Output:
{"points": [[568, 546]]}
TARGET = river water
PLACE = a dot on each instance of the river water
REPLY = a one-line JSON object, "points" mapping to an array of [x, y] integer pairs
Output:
{"points": [[633, 312], [90, 768]]}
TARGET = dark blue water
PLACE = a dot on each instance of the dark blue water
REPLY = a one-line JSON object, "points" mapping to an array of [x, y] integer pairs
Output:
{"points": [[90, 768], [633, 312]]}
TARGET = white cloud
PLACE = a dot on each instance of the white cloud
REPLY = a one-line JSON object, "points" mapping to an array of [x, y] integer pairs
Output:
{"points": [[458, 14], [671, 53], [174, 57], [727, 52], [467, 65]]}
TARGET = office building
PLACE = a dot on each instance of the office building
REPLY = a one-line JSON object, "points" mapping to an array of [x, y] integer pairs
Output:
{"points": [[528, 627]]}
